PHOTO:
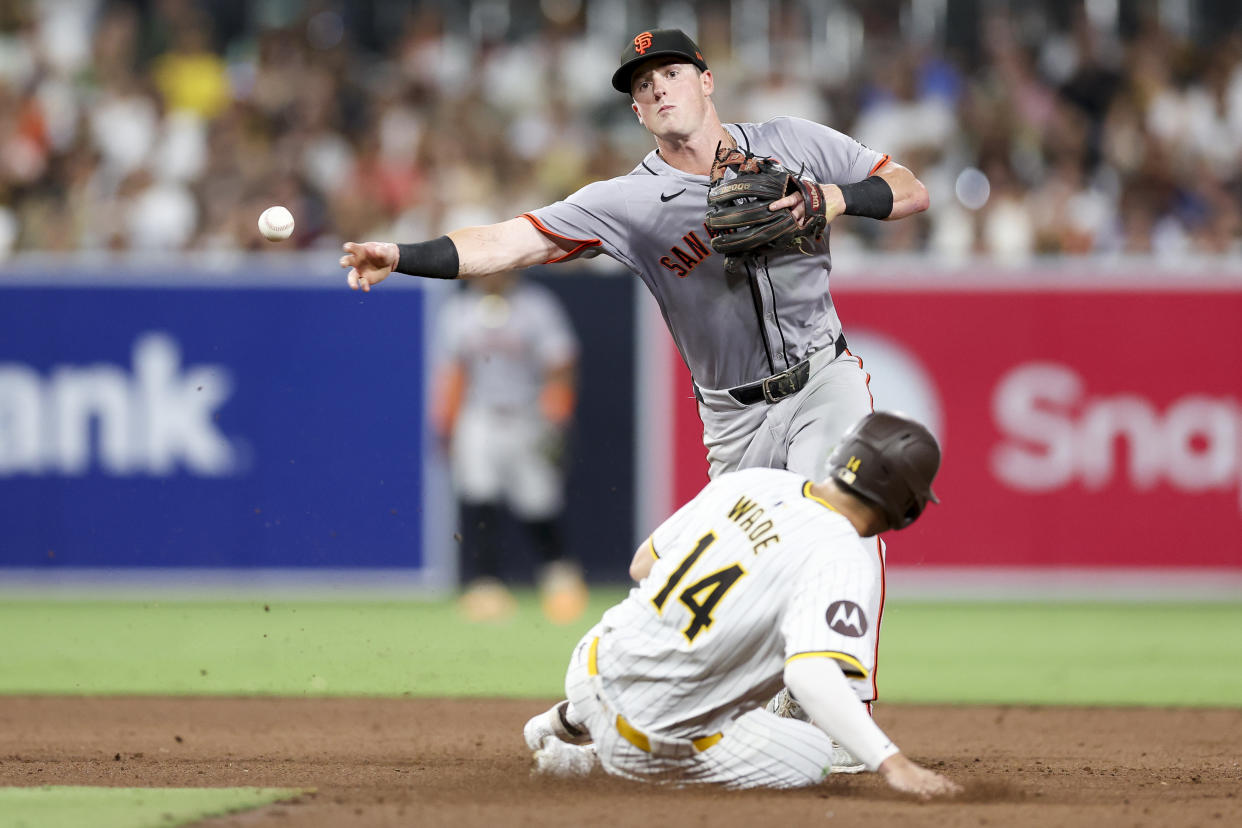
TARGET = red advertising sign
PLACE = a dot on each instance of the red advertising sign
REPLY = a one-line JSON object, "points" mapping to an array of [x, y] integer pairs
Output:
{"points": [[1082, 427]]}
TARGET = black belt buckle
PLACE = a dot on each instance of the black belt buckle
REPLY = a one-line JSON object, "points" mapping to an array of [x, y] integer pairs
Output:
{"points": [[779, 386]]}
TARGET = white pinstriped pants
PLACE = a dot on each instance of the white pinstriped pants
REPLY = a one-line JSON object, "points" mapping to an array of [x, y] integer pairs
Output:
{"points": [[500, 457], [756, 750]]}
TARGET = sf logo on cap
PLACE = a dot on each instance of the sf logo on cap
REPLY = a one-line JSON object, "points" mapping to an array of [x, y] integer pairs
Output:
{"points": [[642, 43]]}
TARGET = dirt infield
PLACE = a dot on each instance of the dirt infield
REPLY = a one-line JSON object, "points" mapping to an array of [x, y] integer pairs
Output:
{"points": [[462, 763]]}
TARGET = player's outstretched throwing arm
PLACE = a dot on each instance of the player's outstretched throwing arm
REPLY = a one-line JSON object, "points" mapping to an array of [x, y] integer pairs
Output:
{"points": [[471, 251]]}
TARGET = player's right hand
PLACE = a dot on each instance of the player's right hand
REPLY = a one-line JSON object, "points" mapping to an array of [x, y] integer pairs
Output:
{"points": [[369, 263], [908, 777]]}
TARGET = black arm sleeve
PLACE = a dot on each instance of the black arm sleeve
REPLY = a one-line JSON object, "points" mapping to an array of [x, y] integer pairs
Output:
{"points": [[872, 197], [436, 259]]}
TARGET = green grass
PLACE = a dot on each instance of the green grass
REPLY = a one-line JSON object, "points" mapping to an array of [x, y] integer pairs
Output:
{"points": [[1094, 654], [56, 806], [293, 649], [1057, 653]]}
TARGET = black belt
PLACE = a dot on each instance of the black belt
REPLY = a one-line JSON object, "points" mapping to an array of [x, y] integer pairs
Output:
{"points": [[778, 386]]}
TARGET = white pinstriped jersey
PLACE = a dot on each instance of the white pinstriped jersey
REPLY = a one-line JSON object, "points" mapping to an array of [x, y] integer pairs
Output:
{"points": [[750, 573]]}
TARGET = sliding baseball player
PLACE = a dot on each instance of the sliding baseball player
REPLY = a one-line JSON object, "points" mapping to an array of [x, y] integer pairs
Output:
{"points": [[765, 577]]}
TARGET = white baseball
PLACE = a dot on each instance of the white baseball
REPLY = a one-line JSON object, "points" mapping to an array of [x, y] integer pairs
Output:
{"points": [[276, 223]]}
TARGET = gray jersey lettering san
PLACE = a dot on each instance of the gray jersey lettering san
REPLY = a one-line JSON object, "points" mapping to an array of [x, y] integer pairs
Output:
{"points": [[732, 328]]}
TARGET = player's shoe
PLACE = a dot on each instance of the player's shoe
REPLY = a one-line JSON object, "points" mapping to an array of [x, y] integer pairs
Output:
{"points": [[563, 592], [845, 762], [783, 704], [550, 724], [487, 599]]}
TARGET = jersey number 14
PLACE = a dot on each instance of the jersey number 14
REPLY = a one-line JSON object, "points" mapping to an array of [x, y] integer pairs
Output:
{"points": [[703, 595]]}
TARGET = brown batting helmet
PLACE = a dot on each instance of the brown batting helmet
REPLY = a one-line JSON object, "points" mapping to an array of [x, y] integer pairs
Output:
{"points": [[889, 461]]}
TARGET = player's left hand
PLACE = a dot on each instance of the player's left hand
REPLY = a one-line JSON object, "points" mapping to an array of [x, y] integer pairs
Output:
{"points": [[909, 777], [554, 445]]}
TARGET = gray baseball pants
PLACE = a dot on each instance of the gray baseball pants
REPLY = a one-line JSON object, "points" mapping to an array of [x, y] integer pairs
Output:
{"points": [[797, 432]]}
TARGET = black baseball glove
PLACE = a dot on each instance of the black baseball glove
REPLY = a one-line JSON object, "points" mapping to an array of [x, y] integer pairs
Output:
{"points": [[738, 218]]}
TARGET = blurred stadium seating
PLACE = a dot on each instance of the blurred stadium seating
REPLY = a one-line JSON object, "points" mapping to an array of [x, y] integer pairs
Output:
{"points": [[1099, 127]]}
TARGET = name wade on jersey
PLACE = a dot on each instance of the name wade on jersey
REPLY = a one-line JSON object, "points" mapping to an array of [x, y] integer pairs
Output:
{"points": [[746, 514], [681, 262]]}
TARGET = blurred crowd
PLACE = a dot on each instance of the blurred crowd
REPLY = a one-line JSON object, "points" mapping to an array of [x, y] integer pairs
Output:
{"points": [[170, 124]]}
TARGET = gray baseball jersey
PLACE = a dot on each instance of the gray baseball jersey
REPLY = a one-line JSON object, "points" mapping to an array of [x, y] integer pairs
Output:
{"points": [[507, 342], [751, 573], [733, 329]]}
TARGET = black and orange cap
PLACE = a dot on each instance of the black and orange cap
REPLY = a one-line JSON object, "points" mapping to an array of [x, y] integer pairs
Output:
{"points": [[652, 44]]}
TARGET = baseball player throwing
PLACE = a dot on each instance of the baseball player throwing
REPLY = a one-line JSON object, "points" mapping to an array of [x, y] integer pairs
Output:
{"points": [[763, 577], [776, 384], [763, 342]]}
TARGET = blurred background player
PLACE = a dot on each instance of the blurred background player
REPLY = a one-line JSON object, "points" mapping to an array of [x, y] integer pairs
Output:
{"points": [[505, 395]]}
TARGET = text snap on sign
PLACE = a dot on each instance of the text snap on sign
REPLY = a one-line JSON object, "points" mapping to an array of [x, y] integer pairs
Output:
{"points": [[1088, 419]]}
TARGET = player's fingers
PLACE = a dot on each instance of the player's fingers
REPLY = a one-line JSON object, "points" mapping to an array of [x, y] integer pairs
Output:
{"points": [[787, 201], [352, 279], [941, 786]]}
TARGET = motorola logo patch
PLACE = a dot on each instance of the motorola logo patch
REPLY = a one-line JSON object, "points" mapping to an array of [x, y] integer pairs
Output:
{"points": [[846, 618]]}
